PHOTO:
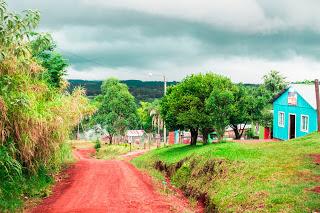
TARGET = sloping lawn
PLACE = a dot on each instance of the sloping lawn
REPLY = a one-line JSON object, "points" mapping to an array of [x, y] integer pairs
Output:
{"points": [[252, 177]]}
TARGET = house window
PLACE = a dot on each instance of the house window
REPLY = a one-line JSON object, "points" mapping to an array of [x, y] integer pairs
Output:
{"points": [[281, 119], [304, 123]]}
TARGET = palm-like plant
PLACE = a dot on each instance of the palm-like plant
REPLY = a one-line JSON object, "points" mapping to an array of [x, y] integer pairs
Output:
{"points": [[157, 121]]}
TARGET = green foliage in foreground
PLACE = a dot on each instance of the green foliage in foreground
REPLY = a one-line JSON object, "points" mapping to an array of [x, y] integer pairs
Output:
{"points": [[35, 117], [15, 182], [253, 177]]}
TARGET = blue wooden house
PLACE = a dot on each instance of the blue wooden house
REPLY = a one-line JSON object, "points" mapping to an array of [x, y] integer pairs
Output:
{"points": [[295, 112]]}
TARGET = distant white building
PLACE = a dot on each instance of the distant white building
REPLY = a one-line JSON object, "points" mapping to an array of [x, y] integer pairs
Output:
{"points": [[96, 132], [136, 136]]}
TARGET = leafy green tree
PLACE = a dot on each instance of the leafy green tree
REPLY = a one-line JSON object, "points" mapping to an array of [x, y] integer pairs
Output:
{"points": [[18, 38], [43, 49], [155, 114], [304, 82], [184, 105], [274, 82], [248, 105], [15, 31], [149, 114], [220, 104], [117, 110], [144, 115], [266, 117]]}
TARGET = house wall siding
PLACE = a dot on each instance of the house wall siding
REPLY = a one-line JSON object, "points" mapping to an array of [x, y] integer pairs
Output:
{"points": [[302, 108]]}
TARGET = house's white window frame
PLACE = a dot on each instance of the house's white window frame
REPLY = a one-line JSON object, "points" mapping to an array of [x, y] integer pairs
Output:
{"points": [[279, 119], [307, 124]]}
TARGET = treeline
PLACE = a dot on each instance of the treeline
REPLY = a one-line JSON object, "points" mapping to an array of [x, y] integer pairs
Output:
{"points": [[141, 90], [36, 113], [200, 103], [146, 91], [210, 102]]}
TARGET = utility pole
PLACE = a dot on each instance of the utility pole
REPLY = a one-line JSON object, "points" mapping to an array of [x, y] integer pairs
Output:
{"points": [[316, 82], [164, 124]]}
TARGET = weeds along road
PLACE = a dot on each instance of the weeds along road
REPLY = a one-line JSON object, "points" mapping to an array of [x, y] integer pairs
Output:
{"points": [[107, 186]]}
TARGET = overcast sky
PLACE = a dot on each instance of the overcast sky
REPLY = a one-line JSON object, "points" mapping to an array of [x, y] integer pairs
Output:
{"points": [[130, 38]]}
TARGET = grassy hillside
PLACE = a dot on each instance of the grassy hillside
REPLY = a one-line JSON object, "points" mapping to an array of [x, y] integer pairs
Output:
{"points": [[237, 177]]}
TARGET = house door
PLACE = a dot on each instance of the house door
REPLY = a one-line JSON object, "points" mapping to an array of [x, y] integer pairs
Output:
{"points": [[292, 126], [266, 133]]}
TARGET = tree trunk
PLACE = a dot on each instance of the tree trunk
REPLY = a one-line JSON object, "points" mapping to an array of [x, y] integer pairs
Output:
{"points": [[236, 131], [205, 138], [194, 136], [242, 130], [205, 134], [110, 139]]}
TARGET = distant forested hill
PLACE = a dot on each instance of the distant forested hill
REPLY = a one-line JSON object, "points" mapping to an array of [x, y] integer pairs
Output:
{"points": [[141, 90]]}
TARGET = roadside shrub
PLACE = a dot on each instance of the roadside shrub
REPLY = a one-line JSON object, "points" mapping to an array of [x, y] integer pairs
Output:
{"points": [[11, 179], [250, 134], [97, 144], [37, 185]]}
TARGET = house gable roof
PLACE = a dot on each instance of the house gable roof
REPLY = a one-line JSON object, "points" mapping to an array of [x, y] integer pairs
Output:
{"points": [[135, 133], [306, 91]]}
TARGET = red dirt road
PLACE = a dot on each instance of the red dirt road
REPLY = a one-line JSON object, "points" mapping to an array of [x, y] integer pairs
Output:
{"points": [[108, 186]]}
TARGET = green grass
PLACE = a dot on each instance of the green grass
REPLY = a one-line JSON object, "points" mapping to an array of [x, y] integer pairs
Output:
{"points": [[18, 185], [113, 151], [252, 177]]}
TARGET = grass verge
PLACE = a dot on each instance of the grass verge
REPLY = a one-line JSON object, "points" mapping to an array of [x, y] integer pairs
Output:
{"points": [[17, 185], [239, 177], [113, 151]]}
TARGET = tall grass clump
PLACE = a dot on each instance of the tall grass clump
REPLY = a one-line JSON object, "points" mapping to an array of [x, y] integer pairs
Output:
{"points": [[35, 117]]}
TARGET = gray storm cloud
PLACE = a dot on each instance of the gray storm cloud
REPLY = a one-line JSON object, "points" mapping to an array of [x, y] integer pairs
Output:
{"points": [[127, 39]]}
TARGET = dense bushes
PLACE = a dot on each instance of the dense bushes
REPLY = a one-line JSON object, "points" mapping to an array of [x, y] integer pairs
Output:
{"points": [[35, 118], [11, 179]]}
